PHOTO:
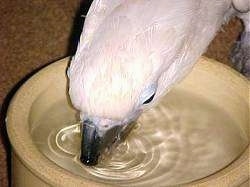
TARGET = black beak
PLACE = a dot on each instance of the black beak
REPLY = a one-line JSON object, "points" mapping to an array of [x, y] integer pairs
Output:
{"points": [[92, 144]]}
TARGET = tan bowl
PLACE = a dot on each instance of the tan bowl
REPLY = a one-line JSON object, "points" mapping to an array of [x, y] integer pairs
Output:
{"points": [[31, 168]]}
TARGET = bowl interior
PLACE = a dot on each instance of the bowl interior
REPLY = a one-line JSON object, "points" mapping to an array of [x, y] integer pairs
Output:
{"points": [[197, 129]]}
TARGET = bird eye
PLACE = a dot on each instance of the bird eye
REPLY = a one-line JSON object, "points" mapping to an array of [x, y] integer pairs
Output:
{"points": [[149, 99]]}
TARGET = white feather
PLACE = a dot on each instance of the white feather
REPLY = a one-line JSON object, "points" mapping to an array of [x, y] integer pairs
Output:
{"points": [[127, 45]]}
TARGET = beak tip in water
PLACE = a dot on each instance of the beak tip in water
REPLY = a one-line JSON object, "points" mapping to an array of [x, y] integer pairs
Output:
{"points": [[88, 160]]}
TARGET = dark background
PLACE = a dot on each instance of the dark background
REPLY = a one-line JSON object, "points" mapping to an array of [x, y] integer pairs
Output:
{"points": [[34, 33]]}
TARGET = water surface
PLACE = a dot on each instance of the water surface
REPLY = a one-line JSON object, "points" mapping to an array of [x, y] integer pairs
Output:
{"points": [[182, 139]]}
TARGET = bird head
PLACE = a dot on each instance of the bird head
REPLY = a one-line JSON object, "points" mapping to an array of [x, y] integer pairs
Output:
{"points": [[110, 94], [124, 62]]}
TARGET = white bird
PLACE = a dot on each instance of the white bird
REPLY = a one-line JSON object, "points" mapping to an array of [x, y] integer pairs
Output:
{"points": [[131, 52]]}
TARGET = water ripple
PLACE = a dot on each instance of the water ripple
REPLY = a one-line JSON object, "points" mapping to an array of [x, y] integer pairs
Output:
{"points": [[174, 143]]}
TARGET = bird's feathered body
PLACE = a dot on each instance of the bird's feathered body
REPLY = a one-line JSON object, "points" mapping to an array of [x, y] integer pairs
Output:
{"points": [[126, 45], [132, 52]]}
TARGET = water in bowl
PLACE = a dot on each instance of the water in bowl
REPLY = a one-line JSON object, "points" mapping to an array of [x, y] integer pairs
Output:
{"points": [[182, 139]]}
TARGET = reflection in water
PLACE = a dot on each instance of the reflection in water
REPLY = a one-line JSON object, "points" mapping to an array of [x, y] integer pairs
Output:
{"points": [[182, 139]]}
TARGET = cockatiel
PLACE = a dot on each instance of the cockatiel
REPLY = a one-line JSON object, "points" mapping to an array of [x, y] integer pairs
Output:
{"points": [[131, 52]]}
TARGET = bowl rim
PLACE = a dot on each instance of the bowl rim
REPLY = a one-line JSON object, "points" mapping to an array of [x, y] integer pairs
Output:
{"points": [[42, 167]]}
